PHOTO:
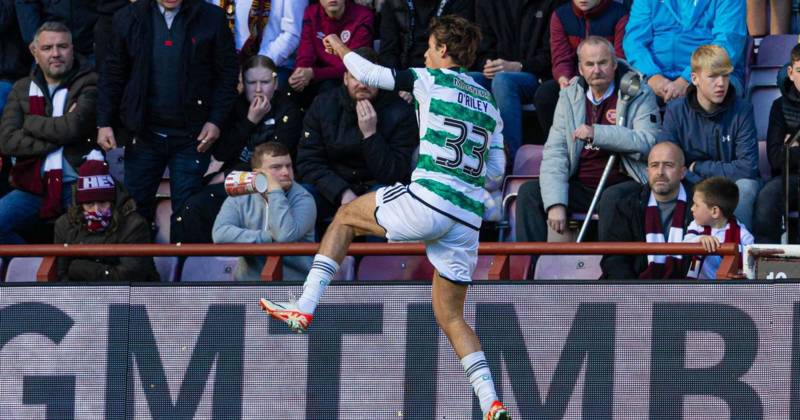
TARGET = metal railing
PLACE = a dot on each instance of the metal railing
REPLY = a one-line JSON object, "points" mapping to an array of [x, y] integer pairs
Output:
{"points": [[273, 253]]}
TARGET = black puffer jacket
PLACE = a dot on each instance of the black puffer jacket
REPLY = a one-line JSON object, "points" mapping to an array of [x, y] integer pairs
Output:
{"points": [[209, 87], [516, 30], [334, 156], [127, 227], [78, 15], [404, 45]]}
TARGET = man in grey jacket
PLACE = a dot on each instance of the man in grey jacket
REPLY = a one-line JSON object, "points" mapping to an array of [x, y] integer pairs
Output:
{"points": [[582, 139], [284, 213]]}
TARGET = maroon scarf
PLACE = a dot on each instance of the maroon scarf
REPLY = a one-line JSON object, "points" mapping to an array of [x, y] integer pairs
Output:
{"points": [[732, 236], [661, 266]]}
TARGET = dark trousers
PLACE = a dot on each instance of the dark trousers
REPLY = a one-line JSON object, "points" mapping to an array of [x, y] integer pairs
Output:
{"points": [[145, 161], [198, 215], [769, 210], [532, 216]]}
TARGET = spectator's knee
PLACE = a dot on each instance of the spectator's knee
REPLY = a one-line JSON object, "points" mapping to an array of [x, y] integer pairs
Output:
{"points": [[748, 189], [503, 83], [529, 194]]}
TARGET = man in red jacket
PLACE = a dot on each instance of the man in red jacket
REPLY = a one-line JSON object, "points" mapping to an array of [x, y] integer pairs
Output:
{"points": [[351, 21], [569, 25]]}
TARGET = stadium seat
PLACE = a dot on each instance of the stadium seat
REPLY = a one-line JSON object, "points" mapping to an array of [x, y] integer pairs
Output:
{"points": [[519, 266], [23, 269], [209, 269], [163, 213], [400, 267], [163, 190], [167, 268], [510, 191], [568, 267], [347, 270], [116, 163], [774, 50], [528, 160]]}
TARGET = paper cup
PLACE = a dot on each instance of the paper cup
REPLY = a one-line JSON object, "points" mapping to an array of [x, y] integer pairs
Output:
{"points": [[241, 183]]}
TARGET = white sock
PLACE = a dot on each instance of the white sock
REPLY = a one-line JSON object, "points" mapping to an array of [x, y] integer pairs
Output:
{"points": [[322, 271], [480, 377]]}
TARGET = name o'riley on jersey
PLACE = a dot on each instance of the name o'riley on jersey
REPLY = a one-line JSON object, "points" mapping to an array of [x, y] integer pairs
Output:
{"points": [[473, 103]]}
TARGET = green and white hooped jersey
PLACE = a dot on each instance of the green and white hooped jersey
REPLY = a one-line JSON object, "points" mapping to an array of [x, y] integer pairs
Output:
{"points": [[460, 138]]}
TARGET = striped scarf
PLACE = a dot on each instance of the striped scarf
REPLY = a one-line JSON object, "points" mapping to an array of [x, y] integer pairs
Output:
{"points": [[732, 236], [25, 173], [663, 266]]}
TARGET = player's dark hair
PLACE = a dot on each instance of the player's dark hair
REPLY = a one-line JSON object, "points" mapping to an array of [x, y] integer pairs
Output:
{"points": [[461, 37], [270, 148]]}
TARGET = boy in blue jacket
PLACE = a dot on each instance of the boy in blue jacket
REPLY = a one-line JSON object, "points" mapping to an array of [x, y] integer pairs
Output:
{"points": [[716, 129]]}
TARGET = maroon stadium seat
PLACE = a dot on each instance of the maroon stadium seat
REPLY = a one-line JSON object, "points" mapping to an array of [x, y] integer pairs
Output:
{"points": [[209, 268], [528, 160], [163, 213], [774, 50], [23, 269], [762, 97], [518, 267], [400, 267], [167, 268], [347, 270], [568, 267], [116, 163]]}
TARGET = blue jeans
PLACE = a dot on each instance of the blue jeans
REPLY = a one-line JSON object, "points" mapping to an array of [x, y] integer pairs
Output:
{"points": [[19, 210], [5, 89], [511, 90], [145, 161], [748, 192]]}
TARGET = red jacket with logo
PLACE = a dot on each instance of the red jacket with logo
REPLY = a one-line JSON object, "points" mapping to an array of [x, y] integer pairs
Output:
{"points": [[354, 28]]}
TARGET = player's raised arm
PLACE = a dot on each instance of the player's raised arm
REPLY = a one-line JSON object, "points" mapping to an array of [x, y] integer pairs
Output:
{"points": [[362, 69]]}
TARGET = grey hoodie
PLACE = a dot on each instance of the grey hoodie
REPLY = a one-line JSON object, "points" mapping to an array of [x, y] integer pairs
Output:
{"points": [[289, 217]]}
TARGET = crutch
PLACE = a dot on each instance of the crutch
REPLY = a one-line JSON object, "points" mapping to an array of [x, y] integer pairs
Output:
{"points": [[629, 87]]}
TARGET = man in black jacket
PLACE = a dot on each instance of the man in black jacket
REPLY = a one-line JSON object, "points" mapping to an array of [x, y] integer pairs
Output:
{"points": [[355, 140], [659, 213], [78, 15], [171, 76], [514, 55], [404, 28]]}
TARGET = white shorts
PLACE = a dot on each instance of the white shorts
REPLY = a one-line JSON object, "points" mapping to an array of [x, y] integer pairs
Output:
{"points": [[452, 247]]}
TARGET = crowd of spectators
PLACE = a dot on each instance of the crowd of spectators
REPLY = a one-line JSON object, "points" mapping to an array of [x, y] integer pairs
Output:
{"points": [[250, 84]]}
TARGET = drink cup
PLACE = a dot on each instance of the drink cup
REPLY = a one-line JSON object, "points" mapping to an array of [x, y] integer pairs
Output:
{"points": [[242, 182]]}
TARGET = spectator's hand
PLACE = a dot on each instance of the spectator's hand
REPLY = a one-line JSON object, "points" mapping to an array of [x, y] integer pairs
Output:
{"points": [[557, 218], [657, 83], [258, 108], [208, 135], [584, 132], [332, 44], [675, 89], [407, 96], [272, 185], [301, 78], [105, 138], [347, 196], [710, 243], [492, 67], [367, 118], [563, 82]]}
